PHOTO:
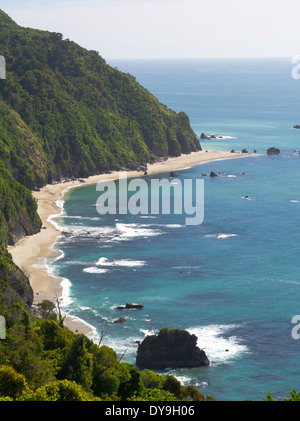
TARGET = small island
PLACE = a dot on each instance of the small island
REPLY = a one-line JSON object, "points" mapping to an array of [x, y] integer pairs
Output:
{"points": [[171, 348]]}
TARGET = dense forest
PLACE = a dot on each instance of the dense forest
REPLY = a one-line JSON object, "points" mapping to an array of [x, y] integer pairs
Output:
{"points": [[64, 112]]}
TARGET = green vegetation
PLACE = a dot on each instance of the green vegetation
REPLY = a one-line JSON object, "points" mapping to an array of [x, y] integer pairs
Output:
{"points": [[18, 217], [64, 112], [41, 360]]}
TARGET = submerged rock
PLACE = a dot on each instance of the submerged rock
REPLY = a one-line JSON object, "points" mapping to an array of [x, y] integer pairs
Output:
{"points": [[172, 348], [213, 174]]}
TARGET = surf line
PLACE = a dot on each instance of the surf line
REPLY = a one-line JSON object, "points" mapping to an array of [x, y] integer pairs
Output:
{"points": [[187, 197]]}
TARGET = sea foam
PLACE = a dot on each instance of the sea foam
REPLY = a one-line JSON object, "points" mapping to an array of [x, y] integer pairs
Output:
{"points": [[219, 349], [103, 261]]}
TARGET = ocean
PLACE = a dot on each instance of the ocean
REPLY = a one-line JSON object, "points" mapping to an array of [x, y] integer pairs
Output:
{"points": [[234, 280]]}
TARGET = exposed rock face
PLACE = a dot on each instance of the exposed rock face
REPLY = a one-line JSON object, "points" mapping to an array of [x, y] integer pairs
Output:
{"points": [[24, 226], [173, 348], [273, 151]]}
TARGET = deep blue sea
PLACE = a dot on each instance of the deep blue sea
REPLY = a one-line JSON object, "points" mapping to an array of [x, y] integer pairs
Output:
{"points": [[234, 280]]}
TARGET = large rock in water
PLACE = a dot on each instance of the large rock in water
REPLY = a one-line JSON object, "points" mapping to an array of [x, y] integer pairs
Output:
{"points": [[273, 151], [172, 348]]}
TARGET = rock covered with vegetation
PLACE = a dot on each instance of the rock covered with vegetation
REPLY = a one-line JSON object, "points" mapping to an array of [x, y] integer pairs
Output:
{"points": [[171, 348]]}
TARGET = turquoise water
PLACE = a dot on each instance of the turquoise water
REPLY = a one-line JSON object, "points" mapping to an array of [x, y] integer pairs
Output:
{"points": [[233, 280]]}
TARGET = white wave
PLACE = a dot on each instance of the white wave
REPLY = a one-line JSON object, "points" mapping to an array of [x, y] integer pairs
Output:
{"points": [[103, 261], [66, 292], [93, 334], [221, 236], [127, 346], [128, 231], [218, 348], [295, 201], [85, 230], [148, 332], [173, 226], [229, 137], [84, 218], [248, 198], [188, 380], [94, 270], [231, 176]]}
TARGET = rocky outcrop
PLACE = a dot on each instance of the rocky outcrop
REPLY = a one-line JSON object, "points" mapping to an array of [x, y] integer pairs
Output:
{"points": [[213, 174], [130, 306], [297, 126], [212, 136], [172, 348], [273, 151], [120, 320]]}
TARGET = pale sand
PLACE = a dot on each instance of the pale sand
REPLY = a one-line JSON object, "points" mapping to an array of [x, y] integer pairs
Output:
{"points": [[31, 252]]}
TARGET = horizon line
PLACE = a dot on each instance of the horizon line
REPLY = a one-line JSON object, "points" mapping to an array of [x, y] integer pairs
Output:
{"points": [[200, 58]]}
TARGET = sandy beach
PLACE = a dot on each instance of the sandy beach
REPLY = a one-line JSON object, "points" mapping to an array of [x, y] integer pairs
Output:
{"points": [[31, 252]]}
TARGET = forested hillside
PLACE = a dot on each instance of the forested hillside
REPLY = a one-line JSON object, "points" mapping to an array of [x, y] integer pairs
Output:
{"points": [[81, 116], [65, 112]]}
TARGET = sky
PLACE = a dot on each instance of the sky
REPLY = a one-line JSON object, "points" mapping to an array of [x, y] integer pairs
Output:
{"points": [[168, 28]]}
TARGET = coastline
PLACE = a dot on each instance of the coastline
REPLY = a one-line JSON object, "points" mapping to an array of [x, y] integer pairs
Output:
{"points": [[32, 252]]}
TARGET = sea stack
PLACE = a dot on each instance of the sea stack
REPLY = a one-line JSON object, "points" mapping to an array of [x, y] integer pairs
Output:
{"points": [[273, 151], [172, 348]]}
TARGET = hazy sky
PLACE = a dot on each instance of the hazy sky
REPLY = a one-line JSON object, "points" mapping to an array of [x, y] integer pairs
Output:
{"points": [[168, 28]]}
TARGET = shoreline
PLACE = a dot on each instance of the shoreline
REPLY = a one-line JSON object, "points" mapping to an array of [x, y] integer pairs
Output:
{"points": [[31, 252]]}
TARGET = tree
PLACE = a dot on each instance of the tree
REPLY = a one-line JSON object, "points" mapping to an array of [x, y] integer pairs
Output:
{"points": [[130, 381], [152, 380], [173, 386], [45, 310], [78, 365], [59, 390], [12, 384]]}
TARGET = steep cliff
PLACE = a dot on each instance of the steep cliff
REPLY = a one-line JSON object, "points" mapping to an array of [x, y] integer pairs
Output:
{"points": [[83, 117]]}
